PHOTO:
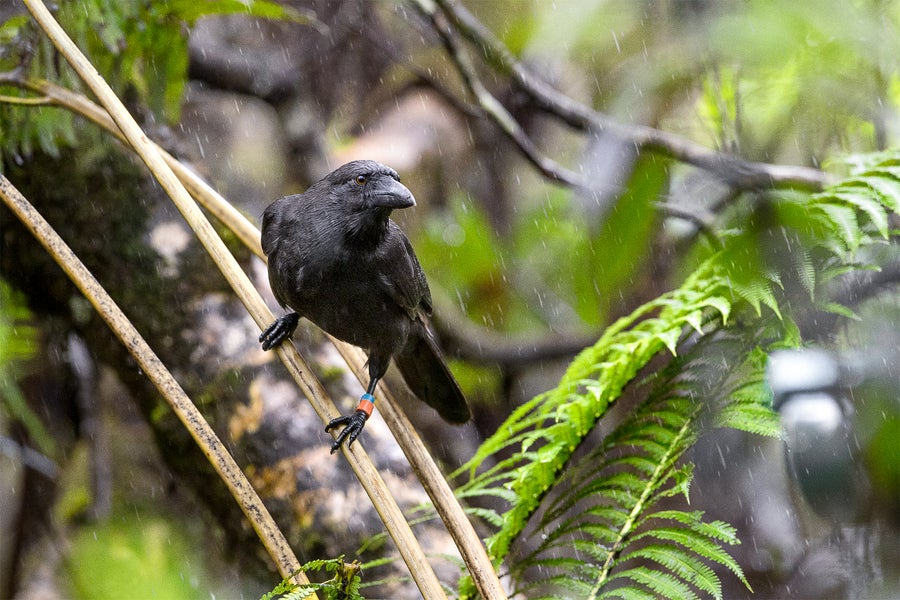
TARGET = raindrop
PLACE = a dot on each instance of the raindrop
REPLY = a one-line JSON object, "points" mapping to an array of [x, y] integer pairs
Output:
{"points": [[454, 235]]}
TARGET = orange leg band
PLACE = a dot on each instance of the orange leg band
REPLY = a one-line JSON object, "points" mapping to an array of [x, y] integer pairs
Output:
{"points": [[366, 404]]}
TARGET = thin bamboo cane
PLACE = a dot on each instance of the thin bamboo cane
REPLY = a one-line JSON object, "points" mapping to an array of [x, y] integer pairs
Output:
{"points": [[156, 371], [460, 528], [374, 485]]}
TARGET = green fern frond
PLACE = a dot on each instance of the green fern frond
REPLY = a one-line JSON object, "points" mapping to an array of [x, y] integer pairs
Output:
{"points": [[684, 564], [660, 583], [872, 194], [756, 292], [843, 223], [624, 478], [886, 184], [691, 540], [605, 502], [805, 269], [591, 518], [558, 421], [867, 201]]}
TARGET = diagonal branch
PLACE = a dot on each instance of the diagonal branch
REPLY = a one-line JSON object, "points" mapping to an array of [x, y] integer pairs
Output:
{"points": [[736, 172], [203, 434], [493, 107], [459, 527], [371, 479]]}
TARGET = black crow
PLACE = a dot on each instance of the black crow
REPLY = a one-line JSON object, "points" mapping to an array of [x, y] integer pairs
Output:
{"points": [[336, 258]]}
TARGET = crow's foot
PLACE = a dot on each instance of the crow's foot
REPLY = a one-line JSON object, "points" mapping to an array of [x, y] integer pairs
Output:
{"points": [[353, 424], [280, 330]]}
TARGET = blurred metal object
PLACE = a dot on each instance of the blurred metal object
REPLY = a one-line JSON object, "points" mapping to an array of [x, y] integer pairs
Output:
{"points": [[811, 393]]}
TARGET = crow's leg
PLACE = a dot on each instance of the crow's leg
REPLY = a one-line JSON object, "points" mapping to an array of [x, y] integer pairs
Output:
{"points": [[280, 330], [353, 424]]}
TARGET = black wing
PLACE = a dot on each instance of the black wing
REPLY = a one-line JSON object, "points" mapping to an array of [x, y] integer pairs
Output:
{"points": [[271, 226], [401, 275]]}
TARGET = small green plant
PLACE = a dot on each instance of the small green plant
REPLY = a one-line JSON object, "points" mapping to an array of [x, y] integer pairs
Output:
{"points": [[344, 585]]}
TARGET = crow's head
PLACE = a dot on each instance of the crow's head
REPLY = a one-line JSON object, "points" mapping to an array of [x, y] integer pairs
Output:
{"points": [[366, 192], [365, 185]]}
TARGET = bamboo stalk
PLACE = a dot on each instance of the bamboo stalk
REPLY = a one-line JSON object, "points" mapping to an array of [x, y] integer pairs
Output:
{"points": [[374, 485], [156, 371], [458, 525]]}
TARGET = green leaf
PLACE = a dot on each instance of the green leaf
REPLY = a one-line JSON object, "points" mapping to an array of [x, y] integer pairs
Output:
{"points": [[628, 227], [750, 417], [843, 221], [805, 269], [663, 584], [841, 310], [191, 10], [11, 28], [697, 542], [681, 563], [887, 186], [17, 345], [606, 502], [720, 304], [344, 585], [868, 202]]}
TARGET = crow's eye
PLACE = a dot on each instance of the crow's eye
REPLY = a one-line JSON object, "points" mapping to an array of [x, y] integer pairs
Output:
{"points": [[360, 179]]}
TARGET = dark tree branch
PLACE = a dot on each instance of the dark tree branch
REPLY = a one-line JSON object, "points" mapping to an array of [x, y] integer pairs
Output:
{"points": [[869, 284], [734, 171], [493, 107], [464, 339], [700, 221]]}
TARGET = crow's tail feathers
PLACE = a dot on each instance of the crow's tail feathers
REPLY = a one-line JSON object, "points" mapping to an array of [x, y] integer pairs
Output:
{"points": [[429, 378]]}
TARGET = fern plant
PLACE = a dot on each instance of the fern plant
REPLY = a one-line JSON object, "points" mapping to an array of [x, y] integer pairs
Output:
{"points": [[344, 585], [615, 489], [603, 528]]}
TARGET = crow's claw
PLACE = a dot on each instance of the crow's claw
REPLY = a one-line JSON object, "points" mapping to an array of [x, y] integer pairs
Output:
{"points": [[353, 426], [280, 330]]}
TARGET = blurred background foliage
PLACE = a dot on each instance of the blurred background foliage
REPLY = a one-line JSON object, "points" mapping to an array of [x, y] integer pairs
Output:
{"points": [[264, 97]]}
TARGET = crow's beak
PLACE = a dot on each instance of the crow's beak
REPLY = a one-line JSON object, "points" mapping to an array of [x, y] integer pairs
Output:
{"points": [[390, 193]]}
